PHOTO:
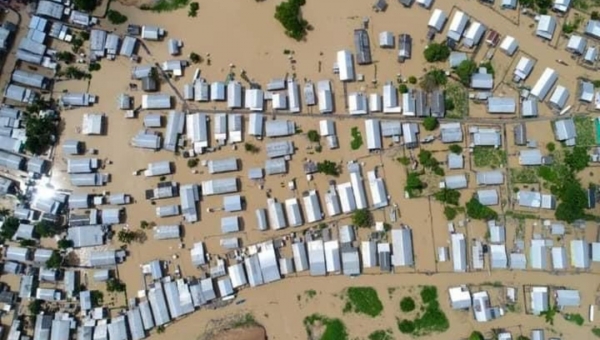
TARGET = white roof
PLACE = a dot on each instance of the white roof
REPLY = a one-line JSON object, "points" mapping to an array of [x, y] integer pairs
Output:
{"points": [[457, 25], [509, 45], [437, 19], [373, 132], [459, 252], [346, 196], [345, 65], [524, 68], [544, 84]]}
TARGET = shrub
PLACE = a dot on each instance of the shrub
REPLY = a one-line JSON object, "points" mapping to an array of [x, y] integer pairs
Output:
{"points": [[328, 168], [479, 211], [313, 136], [595, 15], [402, 88], [455, 148], [64, 244], [115, 285], [192, 162], [551, 146], [406, 326], [116, 17], [365, 300], [92, 67], [362, 218], [412, 80], [436, 52], [449, 196], [357, 140], [407, 304], [195, 58], [9, 227], [193, 12], [65, 56], [288, 13], [465, 70], [428, 294], [55, 260], [85, 5], [46, 229], [249, 147], [476, 336], [40, 133], [126, 236], [450, 213], [430, 123], [433, 79]]}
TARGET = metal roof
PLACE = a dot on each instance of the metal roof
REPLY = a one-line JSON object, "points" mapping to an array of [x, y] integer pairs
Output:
{"points": [[456, 181], [402, 247], [294, 216], [175, 124], [312, 207], [350, 260], [459, 252], [580, 254], [156, 101], [564, 129], [166, 232], [232, 203], [275, 166], [156, 297], [280, 148], [219, 186], [216, 166], [102, 258], [189, 195], [280, 128], [230, 224], [276, 214], [501, 105], [135, 325]]}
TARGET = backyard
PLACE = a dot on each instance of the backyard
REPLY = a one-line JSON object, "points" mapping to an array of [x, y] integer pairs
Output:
{"points": [[488, 157], [586, 134], [458, 98]]}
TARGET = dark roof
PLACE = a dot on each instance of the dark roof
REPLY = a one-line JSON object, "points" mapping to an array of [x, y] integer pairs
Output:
{"points": [[362, 46]]}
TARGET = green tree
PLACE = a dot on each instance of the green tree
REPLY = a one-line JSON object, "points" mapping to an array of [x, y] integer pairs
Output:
{"points": [[406, 326], [85, 5], [430, 123], [65, 56], [251, 148], [195, 58], [193, 11], [436, 52], [577, 159], [455, 148], [93, 67], [313, 136], [572, 201], [433, 79], [27, 243], [126, 236], [55, 260], [465, 70], [479, 211], [64, 244], [115, 285], [448, 196], [192, 162], [450, 213], [35, 307], [40, 133], [551, 146], [9, 227], [289, 14], [116, 17], [144, 224], [476, 336], [46, 228], [362, 218], [402, 88], [328, 168], [407, 304], [412, 80], [413, 182]]}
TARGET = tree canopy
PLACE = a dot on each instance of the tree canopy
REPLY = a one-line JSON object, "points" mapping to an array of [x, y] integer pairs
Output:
{"points": [[362, 218], [455, 148], [85, 5], [430, 123], [289, 14], [313, 136], [436, 52], [9, 227], [116, 17], [40, 133], [328, 168], [46, 228], [115, 285], [55, 260], [465, 70], [476, 336], [577, 159], [449, 196], [479, 211]]}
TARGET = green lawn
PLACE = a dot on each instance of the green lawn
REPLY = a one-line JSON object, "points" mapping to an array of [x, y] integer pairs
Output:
{"points": [[488, 157], [586, 131], [459, 96], [334, 328], [357, 140], [524, 175], [363, 300]]}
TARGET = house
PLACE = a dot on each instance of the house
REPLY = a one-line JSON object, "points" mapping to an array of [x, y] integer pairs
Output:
{"points": [[576, 44], [544, 84], [254, 100], [425, 3], [390, 99], [593, 28], [455, 161], [128, 47], [93, 124], [530, 199], [567, 298], [373, 134], [50, 9], [386, 39], [580, 254], [31, 79], [402, 247], [460, 297], [529, 108], [457, 26], [482, 309], [312, 207], [404, 47], [280, 128], [545, 27], [482, 80], [559, 97], [501, 105], [157, 101], [523, 69], [459, 252], [509, 4], [539, 300], [409, 134], [197, 130], [437, 20], [437, 104], [72, 147], [491, 177], [493, 38], [591, 55], [456, 58], [473, 34], [380, 6], [487, 197], [586, 91], [564, 130], [362, 47], [217, 91], [234, 95], [531, 157], [456, 182], [406, 3], [409, 104], [509, 45], [325, 96], [559, 258], [345, 65], [152, 32], [357, 103], [561, 5]]}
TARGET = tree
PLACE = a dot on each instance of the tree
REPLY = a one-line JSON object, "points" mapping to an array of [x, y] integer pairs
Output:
{"points": [[362, 218], [412, 80], [40, 133], [26, 243], [449, 196], [479, 211], [455, 148], [144, 224], [116, 17], [195, 58], [436, 52], [115, 285], [65, 56], [413, 183], [97, 298], [35, 307], [313, 136], [476, 336], [85, 5], [9, 227], [192, 162], [595, 15], [288, 13], [433, 79], [402, 88], [465, 70], [249, 147], [577, 159], [193, 12], [430, 123], [407, 304], [450, 213], [572, 200], [64, 244], [126, 236], [92, 67], [55, 260], [551, 146], [46, 228], [328, 168]]}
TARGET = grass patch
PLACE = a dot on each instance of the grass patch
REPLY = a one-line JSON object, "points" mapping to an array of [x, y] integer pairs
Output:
{"points": [[357, 140], [459, 97], [586, 134], [363, 300], [381, 335], [524, 175], [167, 5], [311, 293], [488, 157], [334, 329], [575, 318], [596, 331], [246, 320], [431, 320]]}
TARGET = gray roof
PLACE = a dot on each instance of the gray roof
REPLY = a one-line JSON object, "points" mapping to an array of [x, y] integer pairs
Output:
{"points": [[502, 105], [147, 140], [487, 196], [275, 166], [189, 195], [50, 9], [136, 327], [179, 304], [294, 216], [158, 169], [43, 324], [529, 108], [493, 177], [230, 224], [97, 42], [26, 285], [482, 80], [456, 181], [518, 261], [280, 128], [253, 271], [24, 232], [29, 57], [197, 254], [117, 328], [166, 232], [60, 330], [487, 138], [153, 120], [455, 161], [279, 148], [593, 28], [19, 254], [234, 95], [219, 186], [146, 313], [128, 46], [255, 124], [75, 99], [350, 260], [276, 214], [546, 26], [232, 203], [29, 79], [402, 247], [530, 157], [216, 166], [156, 101], [156, 297], [175, 124], [82, 165], [262, 222], [79, 201], [42, 255], [316, 258], [111, 216], [362, 47], [580, 254], [11, 161], [567, 298], [586, 91], [72, 147], [564, 129], [456, 58], [103, 258], [559, 97]]}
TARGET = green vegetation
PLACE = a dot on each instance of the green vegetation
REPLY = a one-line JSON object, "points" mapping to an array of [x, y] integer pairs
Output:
{"points": [[458, 95], [572, 26], [195, 58], [246, 320], [412, 80], [541, 6], [116, 17], [465, 70], [64, 244], [475, 335], [362, 218], [479, 211], [522, 337], [27, 243], [144, 224], [55, 260], [311, 293], [436, 52], [126, 236], [577, 159], [251, 148], [313, 136], [364, 300], [430, 320], [488, 67], [85, 5], [328, 168], [575, 318], [9, 227], [484, 157], [40, 133], [433, 79], [166, 5], [429, 162], [455, 148], [524, 175], [596, 331], [334, 329], [92, 67], [448, 196], [76, 44], [450, 213], [414, 185], [430, 123], [46, 229], [595, 14], [550, 314], [407, 304], [73, 72], [550, 146], [97, 298], [65, 56], [289, 14], [357, 140], [402, 88], [403, 160], [193, 11], [193, 162], [381, 335], [35, 307], [115, 285], [586, 132]]}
